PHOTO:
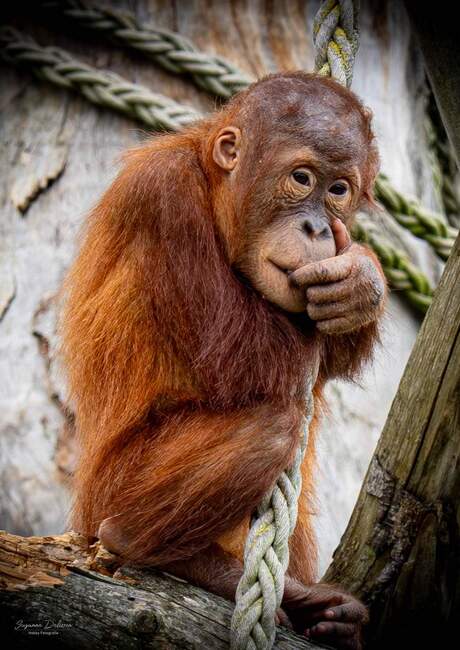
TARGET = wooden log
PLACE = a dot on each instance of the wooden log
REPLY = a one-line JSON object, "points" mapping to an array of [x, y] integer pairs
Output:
{"points": [[401, 550], [63, 592]]}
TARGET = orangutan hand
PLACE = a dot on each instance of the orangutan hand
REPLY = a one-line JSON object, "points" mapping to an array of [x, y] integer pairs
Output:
{"points": [[326, 614], [345, 292]]}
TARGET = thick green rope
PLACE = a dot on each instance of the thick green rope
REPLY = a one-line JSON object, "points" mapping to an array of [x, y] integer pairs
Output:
{"points": [[102, 88], [168, 49], [114, 92], [421, 222], [335, 34]]}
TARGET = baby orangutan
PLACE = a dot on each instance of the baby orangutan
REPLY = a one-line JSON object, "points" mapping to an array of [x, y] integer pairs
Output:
{"points": [[216, 271]]}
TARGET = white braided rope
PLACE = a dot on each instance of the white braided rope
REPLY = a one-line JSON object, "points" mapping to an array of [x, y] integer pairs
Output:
{"points": [[266, 553], [335, 36]]}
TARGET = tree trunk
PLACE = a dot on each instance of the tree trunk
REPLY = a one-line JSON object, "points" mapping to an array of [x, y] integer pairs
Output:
{"points": [[401, 550], [59, 592]]}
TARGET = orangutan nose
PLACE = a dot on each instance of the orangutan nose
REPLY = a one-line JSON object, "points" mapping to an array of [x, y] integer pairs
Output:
{"points": [[316, 227]]}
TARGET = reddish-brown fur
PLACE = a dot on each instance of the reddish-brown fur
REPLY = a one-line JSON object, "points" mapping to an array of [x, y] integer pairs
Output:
{"points": [[188, 386]]}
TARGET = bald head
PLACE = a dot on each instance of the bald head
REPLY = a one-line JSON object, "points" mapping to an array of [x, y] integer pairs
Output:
{"points": [[284, 115]]}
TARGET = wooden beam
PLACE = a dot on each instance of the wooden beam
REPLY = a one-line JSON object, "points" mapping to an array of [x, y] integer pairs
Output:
{"points": [[61, 592]]}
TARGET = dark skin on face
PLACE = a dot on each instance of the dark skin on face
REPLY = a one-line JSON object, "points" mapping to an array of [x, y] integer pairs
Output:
{"points": [[286, 168]]}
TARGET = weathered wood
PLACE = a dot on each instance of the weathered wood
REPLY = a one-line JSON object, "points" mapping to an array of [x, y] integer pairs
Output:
{"points": [[401, 550], [47, 133], [60, 592]]}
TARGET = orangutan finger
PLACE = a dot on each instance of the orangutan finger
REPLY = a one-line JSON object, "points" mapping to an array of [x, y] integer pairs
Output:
{"points": [[333, 309], [350, 612], [333, 630], [341, 235], [332, 269], [331, 292]]}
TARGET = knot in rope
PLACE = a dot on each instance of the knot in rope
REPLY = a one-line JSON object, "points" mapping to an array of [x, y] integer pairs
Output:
{"points": [[336, 39], [266, 554]]}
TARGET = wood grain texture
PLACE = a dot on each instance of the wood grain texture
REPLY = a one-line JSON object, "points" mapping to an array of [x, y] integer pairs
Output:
{"points": [[67, 150], [401, 549], [59, 592]]}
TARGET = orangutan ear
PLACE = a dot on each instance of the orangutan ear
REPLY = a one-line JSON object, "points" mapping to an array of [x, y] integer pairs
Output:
{"points": [[226, 150]]}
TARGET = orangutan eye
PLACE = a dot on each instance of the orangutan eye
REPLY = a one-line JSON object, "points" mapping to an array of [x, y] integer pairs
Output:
{"points": [[339, 189], [303, 177]]}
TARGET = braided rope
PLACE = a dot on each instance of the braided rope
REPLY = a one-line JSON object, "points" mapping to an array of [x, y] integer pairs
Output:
{"points": [[401, 273], [335, 35], [102, 88], [168, 49], [266, 554], [421, 222], [336, 39]]}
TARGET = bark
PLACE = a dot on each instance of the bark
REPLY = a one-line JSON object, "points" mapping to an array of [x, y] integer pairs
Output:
{"points": [[60, 592], [401, 550]]}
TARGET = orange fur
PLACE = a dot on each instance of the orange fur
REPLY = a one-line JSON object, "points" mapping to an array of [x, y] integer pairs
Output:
{"points": [[188, 387]]}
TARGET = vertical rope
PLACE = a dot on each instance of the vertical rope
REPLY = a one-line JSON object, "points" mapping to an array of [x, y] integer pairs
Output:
{"points": [[266, 553]]}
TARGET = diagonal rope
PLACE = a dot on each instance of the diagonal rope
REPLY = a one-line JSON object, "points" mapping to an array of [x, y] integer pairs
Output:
{"points": [[102, 88], [168, 49], [402, 275], [421, 222]]}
